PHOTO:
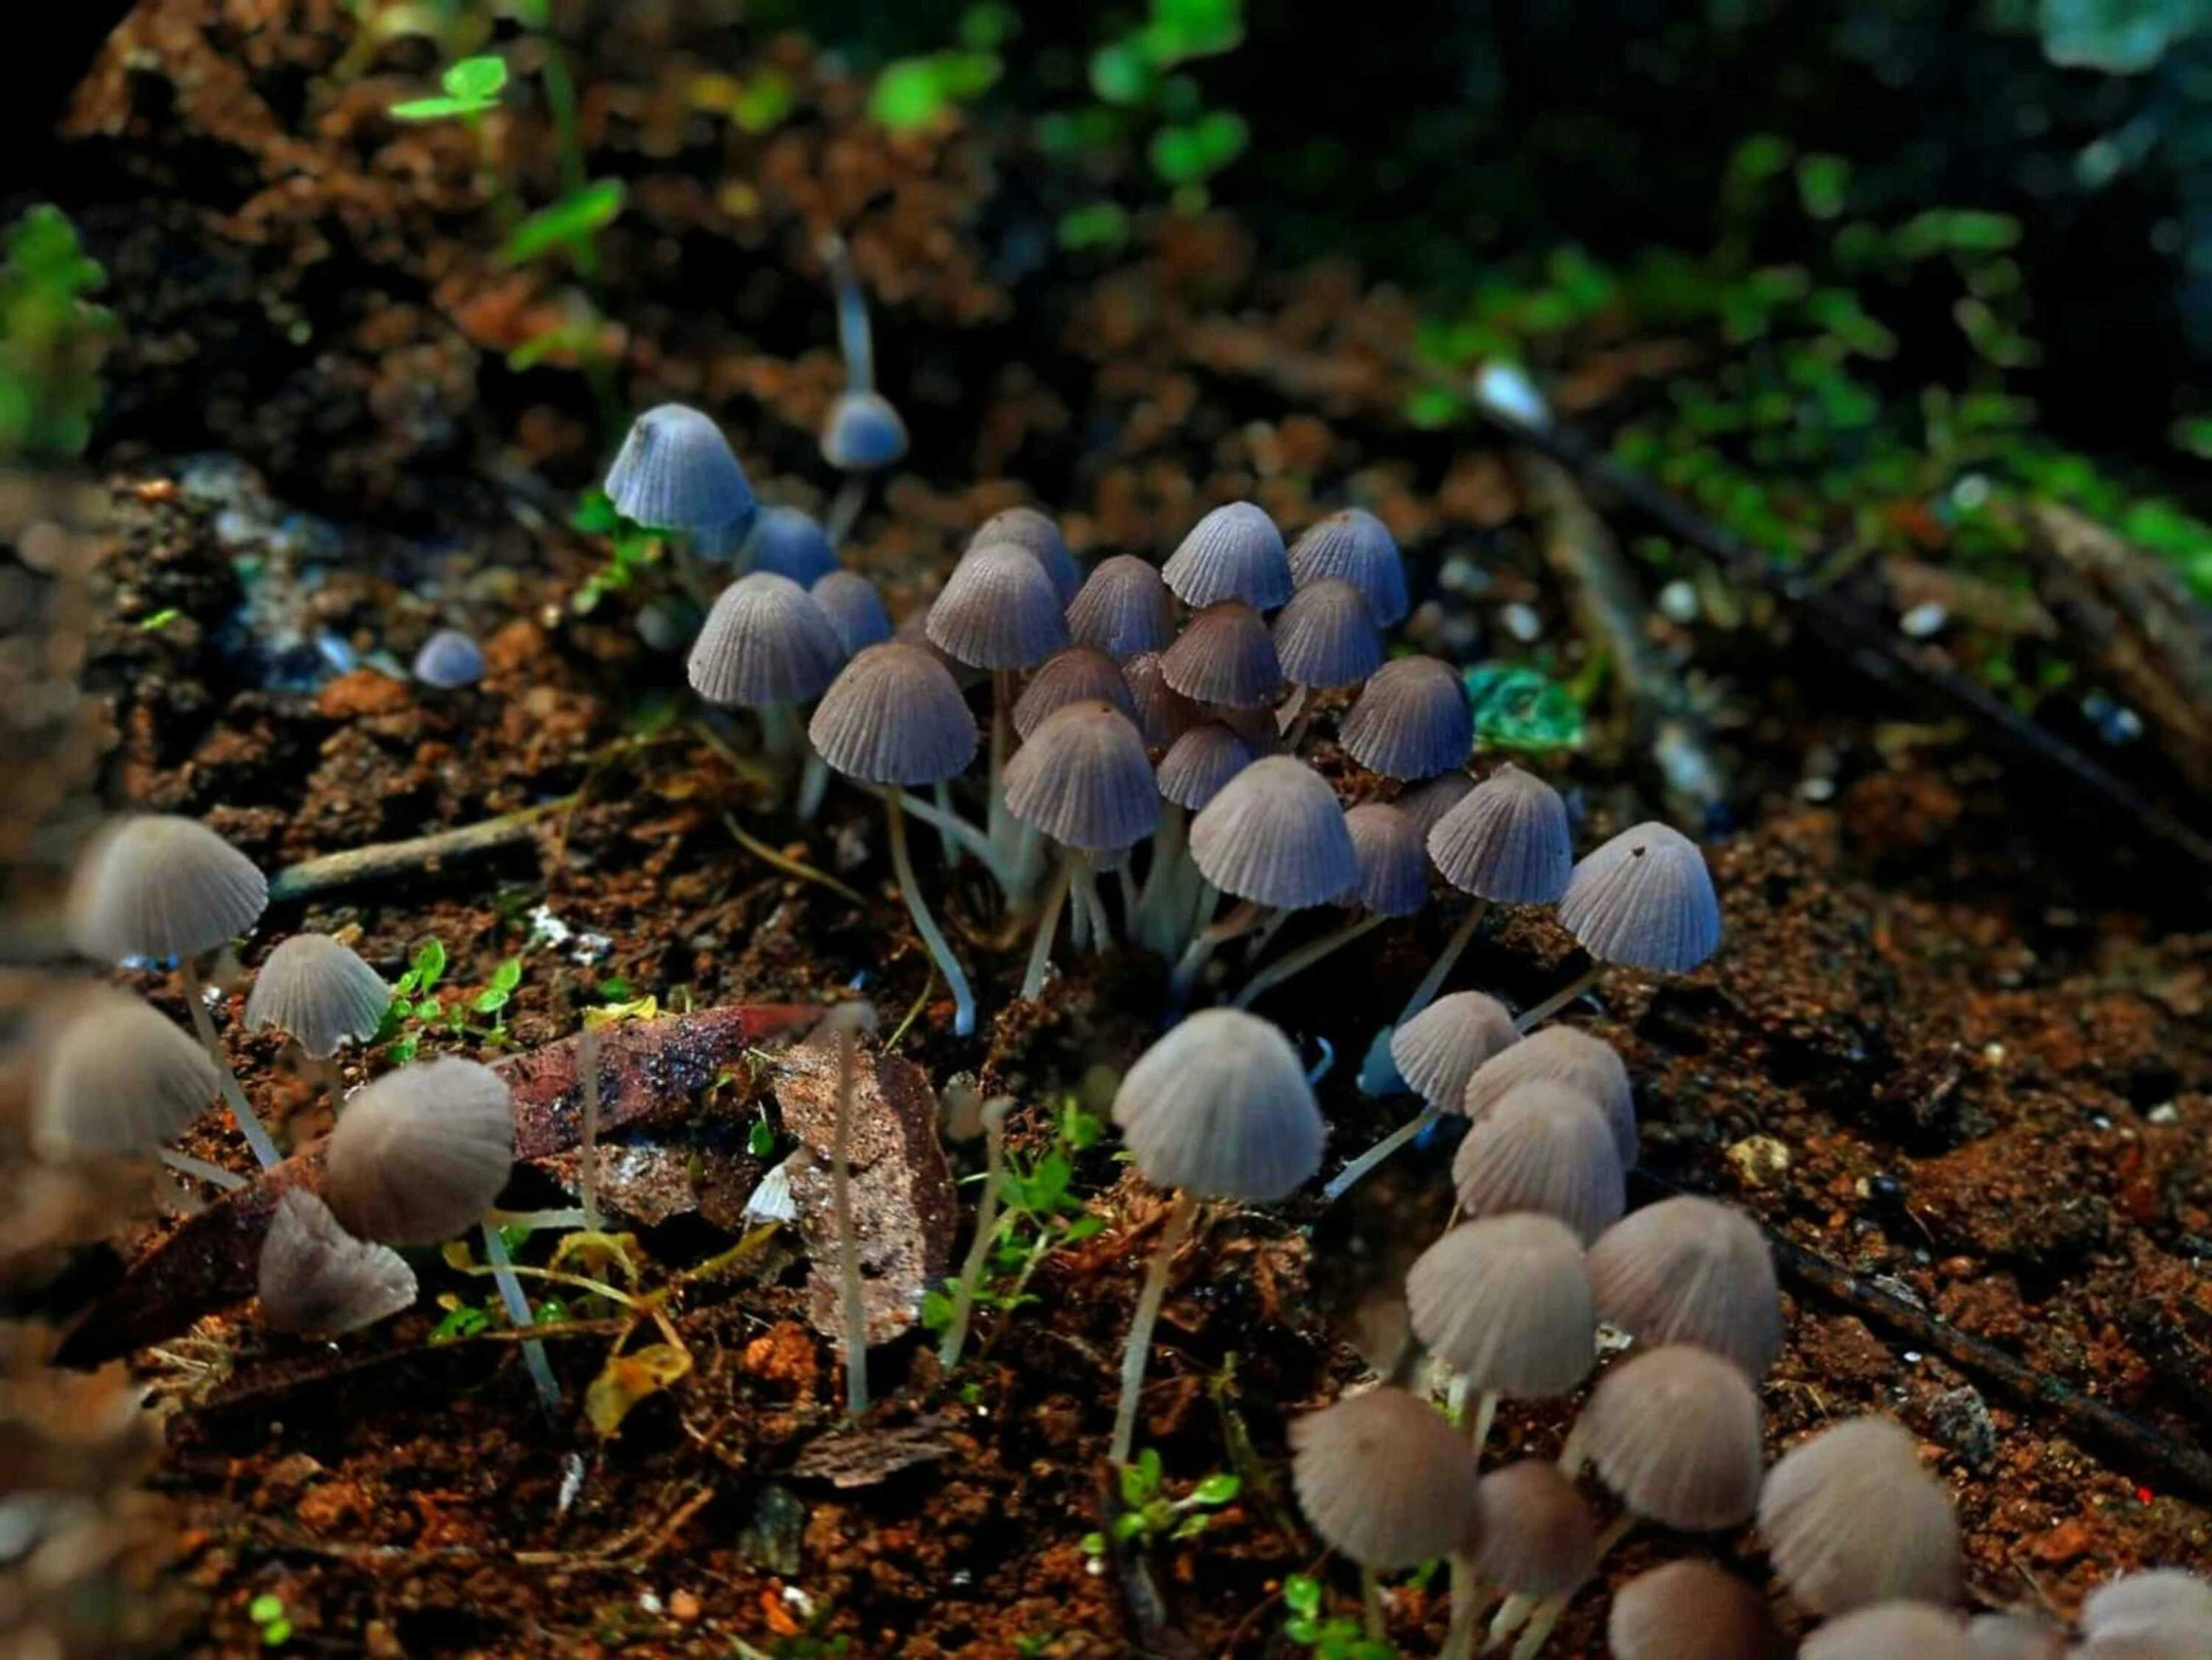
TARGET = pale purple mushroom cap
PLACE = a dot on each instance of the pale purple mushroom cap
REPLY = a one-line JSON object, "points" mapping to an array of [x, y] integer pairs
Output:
{"points": [[1384, 1479], [1691, 1610], [998, 610], [319, 992], [116, 1079], [1220, 1107], [1534, 1535], [1327, 636], [1083, 779], [1392, 869], [676, 471], [1675, 1433], [766, 641], [894, 716], [1275, 833], [1891, 1631], [1077, 675], [1124, 610], [2016, 1637], [1163, 713], [1356, 547], [1441, 1049], [1507, 841], [317, 1280], [1199, 763], [854, 609], [1233, 553], [1027, 527], [1691, 1270], [1851, 1519], [786, 542], [1562, 1055], [1544, 1147], [863, 432], [449, 661], [1225, 656], [1430, 800], [2161, 1614], [1645, 899], [419, 1154], [156, 885], [1412, 721], [1506, 1300]]}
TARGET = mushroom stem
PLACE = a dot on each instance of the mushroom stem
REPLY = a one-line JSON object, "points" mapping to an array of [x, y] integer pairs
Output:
{"points": [[813, 784], [227, 1180], [196, 999], [1247, 915], [853, 337], [1508, 1618], [1623, 1526], [1350, 1177], [999, 823], [940, 796], [854, 1311], [1087, 896], [955, 832], [1289, 716], [1541, 1623], [1469, 1597], [1158, 918], [851, 498], [327, 1073], [1306, 956], [587, 1141], [1485, 1414], [520, 1318], [1370, 1602], [1048, 923], [980, 1249], [1558, 1000], [1128, 886], [1155, 1292], [1446, 960], [902, 866], [781, 738], [1256, 947]]}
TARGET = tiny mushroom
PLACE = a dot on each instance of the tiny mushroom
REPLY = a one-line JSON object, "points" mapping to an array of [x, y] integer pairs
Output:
{"points": [[1691, 1270], [419, 1154], [1123, 610], [1535, 1540], [998, 610], [1163, 713], [1893, 1631], [1412, 721], [1233, 553], [1025, 527], [1225, 656], [317, 1280], [1644, 900], [1198, 764], [1327, 637], [448, 659], [319, 993], [117, 1080], [766, 646], [1275, 838], [1078, 675], [1504, 841], [854, 609], [2163, 1614], [789, 543], [863, 434], [1850, 1518], [1675, 1433], [1504, 1300], [676, 471], [1391, 880], [1384, 1479], [2016, 1637], [1430, 800], [1562, 1055], [1434, 1054], [1691, 1610], [1354, 546], [1544, 1147]]}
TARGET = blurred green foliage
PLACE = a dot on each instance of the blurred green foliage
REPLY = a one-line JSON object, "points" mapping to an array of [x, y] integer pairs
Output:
{"points": [[52, 338]]}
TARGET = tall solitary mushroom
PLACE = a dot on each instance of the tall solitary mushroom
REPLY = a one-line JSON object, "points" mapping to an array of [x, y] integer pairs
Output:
{"points": [[676, 471], [863, 433]]}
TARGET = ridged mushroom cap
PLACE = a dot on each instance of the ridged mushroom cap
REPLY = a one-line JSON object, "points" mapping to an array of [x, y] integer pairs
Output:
{"points": [[1354, 546], [1545, 1147], [419, 1154], [1025, 527], [676, 471], [787, 542], [1645, 899], [1412, 721], [998, 610], [766, 641], [894, 716], [117, 1079], [1163, 713], [317, 1280], [2162, 1614], [1225, 656], [1675, 1433], [1431, 799], [1275, 833], [448, 659], [1327, 636], [319, 992], [1384, 1479], [1255, 728], [1083, 779], [1504, 1300], [1233, 553], [1077, 675], [1438, 1050], [155, 885], [1220, 1107], [1850, 1519], [1534, 1535], [854, 609], [1199, 763], [1124, 610], [1690, 1610], [863, 432], [1562, 1055], [1392, 869], [2016, 1637], [1694, 1271], [1507, 840], [1891, 1631]]}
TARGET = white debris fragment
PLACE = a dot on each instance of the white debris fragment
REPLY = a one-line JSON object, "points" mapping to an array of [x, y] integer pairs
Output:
{"points": [[579, 946]]}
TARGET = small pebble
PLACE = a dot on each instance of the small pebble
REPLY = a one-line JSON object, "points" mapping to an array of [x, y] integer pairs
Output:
{"points": [[1522, 623], [1923, 620], [1961, 1421], [1678, 602], [1761, 1161], [449, 660], [2164, 1113]]}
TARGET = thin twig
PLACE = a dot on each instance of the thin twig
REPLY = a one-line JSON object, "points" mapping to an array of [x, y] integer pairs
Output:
{"points": [[382, 861], [789, 866]]}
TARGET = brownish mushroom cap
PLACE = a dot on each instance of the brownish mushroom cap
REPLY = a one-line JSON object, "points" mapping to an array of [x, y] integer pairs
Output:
{"points": [[1276, 835], [117, 1080], [1412, 721], [1198, 763], [1392, 869], [1028, 528], [419, 1154], [1084, 781], [1691, 1270], [1438, 1050], [1544, 1147], [1891, 1631], [1384, 1479], [1233, 553], [894, 716], [1224, 655], [1690, 1610], [155, 885], [1220, 1107], [1534, 1535], [1506, 1300], [1507, 840], [1124, 610], [1077, 675], [1851, 1519], [317, 1280], [1644, 899], [1675, 1433], [1163, 713], [319, 992], [766, 641], [1327, 636], [1562, 1055], [998, 610], [1354, 546]]}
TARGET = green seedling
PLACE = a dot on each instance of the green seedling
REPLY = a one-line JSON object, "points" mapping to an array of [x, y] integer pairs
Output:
{"points": [[632, 551], [271, 1624], [1149, 1516], [1328, 1636], [472, 88], [52, 337], [417, 1011]]}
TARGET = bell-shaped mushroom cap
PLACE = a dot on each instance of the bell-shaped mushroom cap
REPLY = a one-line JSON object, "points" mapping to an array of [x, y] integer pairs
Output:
{"points": [[2164, 1614], [2016, 1637], [1384, 1479], [1275, 833], [1224, 655], [1431, 799], [1545, 1147], [1507, 841], [1562, 1055], [1199, 763], [318, 1279], [1025, 527], [1506, 1300], [1690, 1610], [1675, 1433], [1123, 610], [1163, 713], [863, 432], [998, 610], [1412, 721], [676, 471], [1233, 553], [786, 542], [1891, 1631], [1220, 1106], [156, 885], [1354, 546], [1851, 1519], [1327, 636], [420, 1153], [1534, 1535], [1691, 1270], [1077, 675], [1644, 899], [449, 661], [854, 609], [765, 641], [1438, 1051], [1083, 778], [1394, 872], [117, 1079], [1255, 728], [319, 991], [894, 716]]}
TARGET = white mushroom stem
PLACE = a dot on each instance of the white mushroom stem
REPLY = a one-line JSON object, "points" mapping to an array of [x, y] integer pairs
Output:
{"points": [[902, 866], [1248, 915], [780, 736], [955, 833], [853, 1308], [1370, 1602], [986, 1231], [1295, 962], [1531, 1018], [1157, 923], [940, 795], [1180, 1216], [853, 337], [845, 509], [813, 784], [1094, 907], [1510, 1613], [520, 1318], [1446, 960], [1351, 1176], [1048, 923], [1469, 1597], [1542, 1619], [249, 1126], [999, 823]]}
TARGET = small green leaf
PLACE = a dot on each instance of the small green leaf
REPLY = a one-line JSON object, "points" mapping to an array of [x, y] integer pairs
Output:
{"points": [[264, 1608], [507, 975], [277, 1634], [936, 1311], [1099, 225], [429, 964], [1083, 1228], [987, 26], [576, 218], [159, 618], [433, 109], [478, 79], [764, 101], [1121, 74], [1092, 1544], [491, 1000], [1128, 1525], [760, 1141], [1218, 1489], [1302, 1594]]}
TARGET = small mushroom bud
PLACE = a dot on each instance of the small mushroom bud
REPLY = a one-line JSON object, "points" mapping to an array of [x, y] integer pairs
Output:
{"points": [[449, 661], [853, 608], [319, 992], [1025, 527], [1077, 675], [789, 543]]}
